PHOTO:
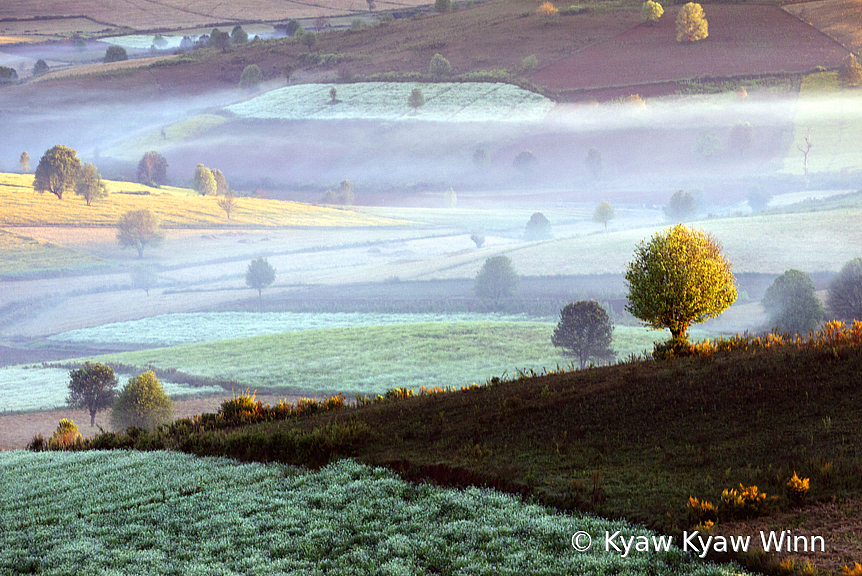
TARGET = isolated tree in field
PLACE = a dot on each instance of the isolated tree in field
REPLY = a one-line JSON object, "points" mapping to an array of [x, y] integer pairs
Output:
{"points": [[238, 35], [707, 145], [538, 228], [547, 9], [7, 75], [144, 278], [603, 214], [740, 137], [227, 203], [345, 193], [480, 158], [585, 331], [416, 99], [530, 62], [678, 278], [333, 96], [115, 54], [251, 77], [309, 40], [691, 24], [450, 198], [259, 275], [651, 11], [153, 169], [844, 298], [138, 229], [142, 403], [24, 161], [89, 184], [441, 6], [593, 162], [57, 171], [525, 162], [682, 206], [791, 303], [850, 72], [439, 66], [204, 182], [40, 67], [497, 279], [92, 387], [478, 238], [221, 183], [758, 198]]}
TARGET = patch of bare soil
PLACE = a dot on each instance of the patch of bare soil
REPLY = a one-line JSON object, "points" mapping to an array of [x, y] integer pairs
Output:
{"points": [[838, 19], [16, 430]]}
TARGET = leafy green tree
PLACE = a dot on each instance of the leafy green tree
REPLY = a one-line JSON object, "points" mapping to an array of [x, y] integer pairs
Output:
{"points": [[758, 198], [844, 298], [251, 77], [309, 40], [89, 184], [227, 202], [219, 40], [144, 278], [416, 99], [40, 67], [585, 331], [7, 75], [439, 66], [65, 436], [238, 35], [153, 169], [92, 387], [139, 229], [259, 275], [159, 41], [651, 11], [682, 206], [530, 62], [691, 24], [791, 303], [525, 162], [441, 6], [142, 403], [204, 182], [115, 54], [57, 171], [538, 228], [221, 183], [678, 278], [345, 193], [24, 161], [603, 214], [497, 279]]}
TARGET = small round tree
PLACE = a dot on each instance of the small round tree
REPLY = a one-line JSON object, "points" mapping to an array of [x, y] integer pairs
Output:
{"points": [[585, 331], [497, 279], [115, 54], [153, 169], [525, 162], [791, 303], [691, 24], [682, 206], [204, 182], [416, 99], [139, 229], [679, 278], [142, 403], [40, 67], [439, 66], [251, 77], [65, 436], [57, 171], [604, 213], [89, 184], [758, 198], [259, 275], [651, 11], [238, 35], [844, 298], [538, 228], [92, 387]]}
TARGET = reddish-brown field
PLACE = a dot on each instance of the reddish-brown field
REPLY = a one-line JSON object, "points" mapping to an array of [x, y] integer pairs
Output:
{"points": [[743, 40], [838, 18]]}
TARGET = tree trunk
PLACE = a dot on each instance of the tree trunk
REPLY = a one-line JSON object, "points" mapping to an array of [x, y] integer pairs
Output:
{"points": [[92, 418]]}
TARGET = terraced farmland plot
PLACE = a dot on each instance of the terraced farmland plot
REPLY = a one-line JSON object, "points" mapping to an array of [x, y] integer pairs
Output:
{"points": [[456, 102]]}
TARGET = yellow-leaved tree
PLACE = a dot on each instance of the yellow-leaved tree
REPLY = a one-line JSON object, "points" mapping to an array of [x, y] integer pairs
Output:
{"points": [[691, 24], [680, 277], [651, 11]]}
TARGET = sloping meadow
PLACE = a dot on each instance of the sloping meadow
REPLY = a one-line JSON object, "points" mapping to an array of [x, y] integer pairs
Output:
{"points": [[168, 513]]}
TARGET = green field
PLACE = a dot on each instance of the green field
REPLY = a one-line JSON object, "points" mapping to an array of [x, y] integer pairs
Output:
{"points": [[21, 253], [372, 360], [175, 207]]}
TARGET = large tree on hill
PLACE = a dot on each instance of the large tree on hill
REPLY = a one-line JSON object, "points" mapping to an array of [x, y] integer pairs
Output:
{"points": [[139, 229], [679, 278], [585, 331], [791, 303], [691, 24], [92, 387], [153, 169], [89, 184], [57, 171], [204, 182]]}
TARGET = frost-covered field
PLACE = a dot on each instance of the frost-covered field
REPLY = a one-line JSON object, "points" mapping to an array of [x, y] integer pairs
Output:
{"points": [[174, 329], [457, 102], [116, 513], [37, 388]]}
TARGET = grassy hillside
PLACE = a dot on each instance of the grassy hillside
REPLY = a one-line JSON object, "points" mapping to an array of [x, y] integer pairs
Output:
{"points": [[634, 440], [20, 253], [372, 360], [175, 207]]}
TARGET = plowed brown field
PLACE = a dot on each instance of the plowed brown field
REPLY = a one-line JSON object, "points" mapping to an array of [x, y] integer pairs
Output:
{"points": [[838, 18]]}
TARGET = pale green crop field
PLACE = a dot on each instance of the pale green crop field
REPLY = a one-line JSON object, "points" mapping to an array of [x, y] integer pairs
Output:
{"points": [[163, 513]]}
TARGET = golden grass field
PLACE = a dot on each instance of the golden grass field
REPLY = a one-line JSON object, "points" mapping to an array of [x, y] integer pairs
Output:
{"points": [[175, 207], [20, 253]]}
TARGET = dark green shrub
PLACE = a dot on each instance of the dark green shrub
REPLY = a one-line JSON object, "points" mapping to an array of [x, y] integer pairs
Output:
{"points": [[115, 54]]}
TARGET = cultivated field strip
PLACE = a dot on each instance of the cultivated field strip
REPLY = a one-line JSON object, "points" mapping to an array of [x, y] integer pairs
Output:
{"points": [[160, 513]]}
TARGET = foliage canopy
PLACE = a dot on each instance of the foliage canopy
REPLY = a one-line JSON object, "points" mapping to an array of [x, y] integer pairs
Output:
{"points": [[115, 54], [538, 227], [691, 24], [791, 303], [92, 387], [497, 278], [651, 11], [585, 331], [57, 171], [603, 214], [142, 403], [259, 275], [251, 77], [89, 184], [844, 299], [682, 206], [204, 183], [139, 229], [678, 278], [153, 169], [439, 66]]}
